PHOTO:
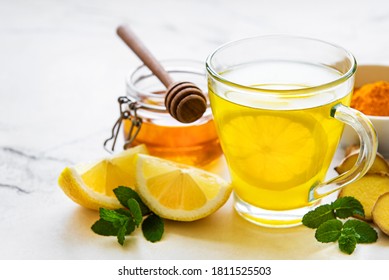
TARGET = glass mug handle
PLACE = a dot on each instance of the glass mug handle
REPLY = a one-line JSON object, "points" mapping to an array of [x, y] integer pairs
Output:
{"points": [[368, 148]]}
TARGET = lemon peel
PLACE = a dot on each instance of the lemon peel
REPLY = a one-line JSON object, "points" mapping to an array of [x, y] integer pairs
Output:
{"points": [[91, 184]]}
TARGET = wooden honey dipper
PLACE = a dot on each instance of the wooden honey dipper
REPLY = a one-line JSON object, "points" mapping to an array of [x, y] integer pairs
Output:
{"points": [[183, 100]]}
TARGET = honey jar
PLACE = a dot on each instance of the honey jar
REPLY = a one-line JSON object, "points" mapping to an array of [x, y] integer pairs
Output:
{"points": [[146, 120]]}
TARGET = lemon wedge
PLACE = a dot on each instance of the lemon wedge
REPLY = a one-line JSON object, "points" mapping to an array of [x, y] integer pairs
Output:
{"points": [[179, 192], [91, 185]]}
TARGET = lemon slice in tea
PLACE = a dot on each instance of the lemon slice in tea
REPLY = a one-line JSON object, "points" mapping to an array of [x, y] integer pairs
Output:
{"points": [[179, 192], [274, 148], [91, 185]]}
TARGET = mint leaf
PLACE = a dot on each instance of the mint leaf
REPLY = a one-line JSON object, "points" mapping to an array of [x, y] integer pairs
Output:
{"points": [[123, 194], [153, 228], [347, 243], [112, 216], [121, 236], [135, 210], [364, 233], [329, 231], [347, 206], [124, 212], [314, 218], [350, 231], [130, 226], [102, 227]]}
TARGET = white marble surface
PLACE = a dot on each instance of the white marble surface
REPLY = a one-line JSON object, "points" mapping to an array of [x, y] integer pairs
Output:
{"points": [[62, 68]]}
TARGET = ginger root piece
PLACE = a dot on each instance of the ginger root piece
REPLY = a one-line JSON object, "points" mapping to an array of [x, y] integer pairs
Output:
{"points": [[380, 213], [380, 165], [351, 149], [367, 190]]}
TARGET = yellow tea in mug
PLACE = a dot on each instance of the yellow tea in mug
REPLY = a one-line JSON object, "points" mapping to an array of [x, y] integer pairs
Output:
{"points": [[278, 147]]}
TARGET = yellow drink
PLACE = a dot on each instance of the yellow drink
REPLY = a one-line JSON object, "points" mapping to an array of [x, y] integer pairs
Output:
{"points": [[279, 145]]}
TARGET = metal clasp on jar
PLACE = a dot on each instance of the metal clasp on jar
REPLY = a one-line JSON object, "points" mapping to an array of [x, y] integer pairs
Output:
{"points": [[128, 110]]}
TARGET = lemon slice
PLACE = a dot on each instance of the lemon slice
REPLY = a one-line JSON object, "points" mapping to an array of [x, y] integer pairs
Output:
{"points": [[282, 150], [179, 192], [91, 185]]}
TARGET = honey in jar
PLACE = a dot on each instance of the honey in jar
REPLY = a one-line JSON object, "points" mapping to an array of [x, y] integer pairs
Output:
{"points": [[195, 143]]}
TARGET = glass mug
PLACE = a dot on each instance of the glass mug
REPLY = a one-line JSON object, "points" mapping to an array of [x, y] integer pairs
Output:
{"points": [[280, 104]]}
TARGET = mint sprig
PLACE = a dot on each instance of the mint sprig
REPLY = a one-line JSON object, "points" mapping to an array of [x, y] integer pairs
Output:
{"points": [[122, 222], [330, 229]]}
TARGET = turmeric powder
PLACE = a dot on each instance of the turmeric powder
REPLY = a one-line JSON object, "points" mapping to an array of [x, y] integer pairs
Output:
{"points": [[372, 99]]}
